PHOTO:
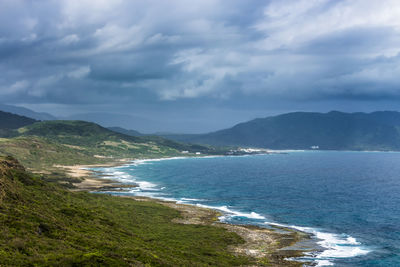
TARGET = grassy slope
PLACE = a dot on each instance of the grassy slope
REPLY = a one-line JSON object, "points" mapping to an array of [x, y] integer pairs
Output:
{"points": [[43, 224], [39, 154], [41, 145], [96, 140]]}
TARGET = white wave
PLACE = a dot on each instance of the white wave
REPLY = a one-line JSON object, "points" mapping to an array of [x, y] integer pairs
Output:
{"points": [[152, 194], [337, 251], [324, 263], [339, 246], [191, 199], [120, 176], [251, 215], [185, 200], [105, 170], [145, 161], [353, 241], [134, 190], [124, 177], [137, 162], [222, 218], [232, 213], [143, 185], [167, 199], [335, 245]]}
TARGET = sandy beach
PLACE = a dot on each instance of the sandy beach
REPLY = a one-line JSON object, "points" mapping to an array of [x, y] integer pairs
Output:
{"points": [[89, 181]]}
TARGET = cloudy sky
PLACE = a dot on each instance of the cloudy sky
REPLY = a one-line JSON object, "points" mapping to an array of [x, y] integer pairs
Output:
{"points": [[197, 66]]}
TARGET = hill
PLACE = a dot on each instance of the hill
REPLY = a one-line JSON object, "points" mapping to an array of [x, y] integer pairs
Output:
{"points": [[43, 224], [42, 145], [301, 130], [110, 119], [42, 116], [92, 136], [125, 131], [13, 121], [74, 132]]}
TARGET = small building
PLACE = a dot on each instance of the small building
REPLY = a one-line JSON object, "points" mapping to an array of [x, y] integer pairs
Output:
{"points": [[184, 152], [198, 153]]}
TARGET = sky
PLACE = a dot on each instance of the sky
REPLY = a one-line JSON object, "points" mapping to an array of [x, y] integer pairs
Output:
{"points": [[200, 65]]}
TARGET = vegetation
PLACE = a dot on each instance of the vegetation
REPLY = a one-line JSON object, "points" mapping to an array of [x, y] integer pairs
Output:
{"points": [[12, 121], [41, 145], [41, 116], [301, 130], [40, 154], [125, 131], [44, 224], [106, 142]]}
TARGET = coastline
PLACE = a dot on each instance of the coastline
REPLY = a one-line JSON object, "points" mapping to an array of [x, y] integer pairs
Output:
{"points": [[282, 246], [88, 178]]}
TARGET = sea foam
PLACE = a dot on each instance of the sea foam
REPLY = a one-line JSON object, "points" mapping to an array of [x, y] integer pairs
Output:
{"points": [[335, 245], [232, 213]]}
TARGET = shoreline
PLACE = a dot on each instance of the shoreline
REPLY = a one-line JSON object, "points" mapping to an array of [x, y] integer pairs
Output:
{"points": [[282, 246]]}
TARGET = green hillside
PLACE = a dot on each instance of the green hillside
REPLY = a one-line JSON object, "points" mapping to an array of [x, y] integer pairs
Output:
{"points": [[42, 145], [13, 121], [95, 138], [45, 225], [41, 116], [301, 130], [125, 131], [73, 132]]}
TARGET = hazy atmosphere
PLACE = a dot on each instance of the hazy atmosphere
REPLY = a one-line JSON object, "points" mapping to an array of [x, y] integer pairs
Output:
{"points": [[198, 66], [200, 133]]}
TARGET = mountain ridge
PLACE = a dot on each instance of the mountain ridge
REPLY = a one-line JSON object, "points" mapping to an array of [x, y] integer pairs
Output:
{"points": [[42, 116], [333, 130], [13, 121]]}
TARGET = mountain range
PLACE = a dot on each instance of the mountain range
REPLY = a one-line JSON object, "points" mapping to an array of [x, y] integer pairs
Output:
{"points": [[42, 116], [334, 130], [12, 121], [304, 130]]}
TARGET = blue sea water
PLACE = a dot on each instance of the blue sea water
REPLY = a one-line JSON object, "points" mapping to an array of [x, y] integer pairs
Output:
{"points": [[349, 201]]}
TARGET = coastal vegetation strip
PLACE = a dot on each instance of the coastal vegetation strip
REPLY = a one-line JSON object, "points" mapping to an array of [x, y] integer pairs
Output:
{"points": [[44, 224], [273, 245]]}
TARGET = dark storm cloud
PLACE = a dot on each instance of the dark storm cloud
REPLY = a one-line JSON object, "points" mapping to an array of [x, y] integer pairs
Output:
{"points": [[158, 54]]}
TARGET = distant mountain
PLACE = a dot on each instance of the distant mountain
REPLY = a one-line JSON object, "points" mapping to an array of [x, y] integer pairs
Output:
{"points": [[125, 131], [42, 116], [302, 130], [13, 121]]}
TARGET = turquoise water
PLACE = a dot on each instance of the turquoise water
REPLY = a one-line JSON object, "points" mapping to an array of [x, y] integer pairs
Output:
{"points": [[349, 201]]}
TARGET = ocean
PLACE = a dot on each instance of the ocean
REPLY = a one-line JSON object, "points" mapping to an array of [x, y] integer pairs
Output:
{"points": [[348, 201]]}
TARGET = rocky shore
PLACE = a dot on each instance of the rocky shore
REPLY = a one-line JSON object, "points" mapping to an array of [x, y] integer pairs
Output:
{"points": [[273, 246]]}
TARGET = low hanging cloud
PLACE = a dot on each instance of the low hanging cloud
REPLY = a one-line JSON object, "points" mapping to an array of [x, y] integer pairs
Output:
{"points": [[70, 51]]}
